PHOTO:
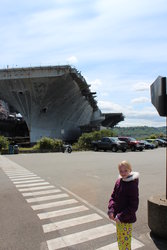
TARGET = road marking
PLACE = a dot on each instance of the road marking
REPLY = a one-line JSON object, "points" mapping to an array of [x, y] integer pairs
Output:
{"points": [[32, 188], [48, 197], [54, 204], [70, 222], [80, 237], [29, 181], [19, 173], [34, 184], [87, 203], [41, 192], [36, 188], [25, 178], [114, 246], [61, 212]]}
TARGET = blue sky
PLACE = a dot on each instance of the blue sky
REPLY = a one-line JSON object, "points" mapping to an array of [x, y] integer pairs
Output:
{"points": [[119, 46]]}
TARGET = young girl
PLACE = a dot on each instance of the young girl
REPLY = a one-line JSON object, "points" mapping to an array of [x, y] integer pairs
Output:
{"points": [[123, 204]]}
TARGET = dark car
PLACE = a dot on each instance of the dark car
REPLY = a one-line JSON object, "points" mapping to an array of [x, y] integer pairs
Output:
{"points": [[132, 143], [161, 143], [148, 145], [153, 141], [109, 143]]}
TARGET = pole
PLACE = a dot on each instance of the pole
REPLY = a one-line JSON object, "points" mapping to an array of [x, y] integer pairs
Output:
{"points": [[166, 159]]}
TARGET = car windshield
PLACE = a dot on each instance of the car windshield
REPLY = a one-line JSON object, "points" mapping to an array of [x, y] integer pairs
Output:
{"points": [[115, 139], [132, 139]]}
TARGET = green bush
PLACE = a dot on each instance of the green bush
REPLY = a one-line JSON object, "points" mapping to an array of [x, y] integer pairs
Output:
{"points": [[85, 140], [4, 143], [49, 144], [45, 143], [57, 144]]}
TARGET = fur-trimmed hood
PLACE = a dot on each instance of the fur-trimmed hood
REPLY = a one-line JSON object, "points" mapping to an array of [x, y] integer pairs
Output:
{"points": [[132, 176]]}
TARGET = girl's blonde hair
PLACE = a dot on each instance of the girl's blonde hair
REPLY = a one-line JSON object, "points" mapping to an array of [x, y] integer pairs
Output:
{"points": [[126, 164]]}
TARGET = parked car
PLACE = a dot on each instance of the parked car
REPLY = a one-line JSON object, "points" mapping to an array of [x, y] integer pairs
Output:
{"points": [[132, 143], [153, 141], [148, 145], [109, 143], [161, 143]]}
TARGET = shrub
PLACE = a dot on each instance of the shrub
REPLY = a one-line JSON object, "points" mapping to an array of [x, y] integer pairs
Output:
{"points": [[49, 144], [45, 143], [85, 140], [4, 143], [57, 144]]}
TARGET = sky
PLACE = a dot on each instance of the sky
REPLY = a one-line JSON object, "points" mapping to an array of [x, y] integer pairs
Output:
{"points": [[119, 46]]}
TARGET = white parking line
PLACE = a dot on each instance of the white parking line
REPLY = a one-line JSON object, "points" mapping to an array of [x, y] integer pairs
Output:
{"points": [[61, 212], [70, 222], [54, 204], [80, 237]]}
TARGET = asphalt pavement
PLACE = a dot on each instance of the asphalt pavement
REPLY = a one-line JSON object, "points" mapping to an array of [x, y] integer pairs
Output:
{"points": [[59, 201]]}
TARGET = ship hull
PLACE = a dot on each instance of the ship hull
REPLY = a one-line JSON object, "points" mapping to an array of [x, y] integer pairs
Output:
{"points": [[52, 101]]}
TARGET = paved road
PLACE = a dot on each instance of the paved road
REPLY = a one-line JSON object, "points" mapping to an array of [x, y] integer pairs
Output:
{"points": [[58, 201]]}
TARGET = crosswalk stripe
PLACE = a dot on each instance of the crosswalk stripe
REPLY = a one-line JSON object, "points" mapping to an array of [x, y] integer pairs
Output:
{"points": [[54, 204], [34, 184], [41, 192], [80, 237], [114, 246], [20, 176], [35, 188], [16, 170], [16, 173], [25, 178], [61, 212], [48, 197], [70, 222], [28, 181]]}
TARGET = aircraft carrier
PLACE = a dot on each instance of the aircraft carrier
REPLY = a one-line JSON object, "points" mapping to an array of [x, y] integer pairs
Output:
{"points": [[54, 101]]}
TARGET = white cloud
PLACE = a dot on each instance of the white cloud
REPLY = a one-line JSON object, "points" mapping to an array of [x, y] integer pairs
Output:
{"points": [[147, 116], [140, 100], [95, 84], [141, 86], [72, 60], [107, 106]]}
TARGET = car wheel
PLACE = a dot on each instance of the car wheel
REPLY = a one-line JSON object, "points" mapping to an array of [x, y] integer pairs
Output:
{"points": [[95, 148], [114, 149]]}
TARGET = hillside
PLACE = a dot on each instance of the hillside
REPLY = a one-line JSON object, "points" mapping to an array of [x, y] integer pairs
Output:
{"points": [[140, 132]]}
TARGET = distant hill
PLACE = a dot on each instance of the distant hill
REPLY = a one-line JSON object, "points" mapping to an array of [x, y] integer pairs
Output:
{"points": [[139, 132]]}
